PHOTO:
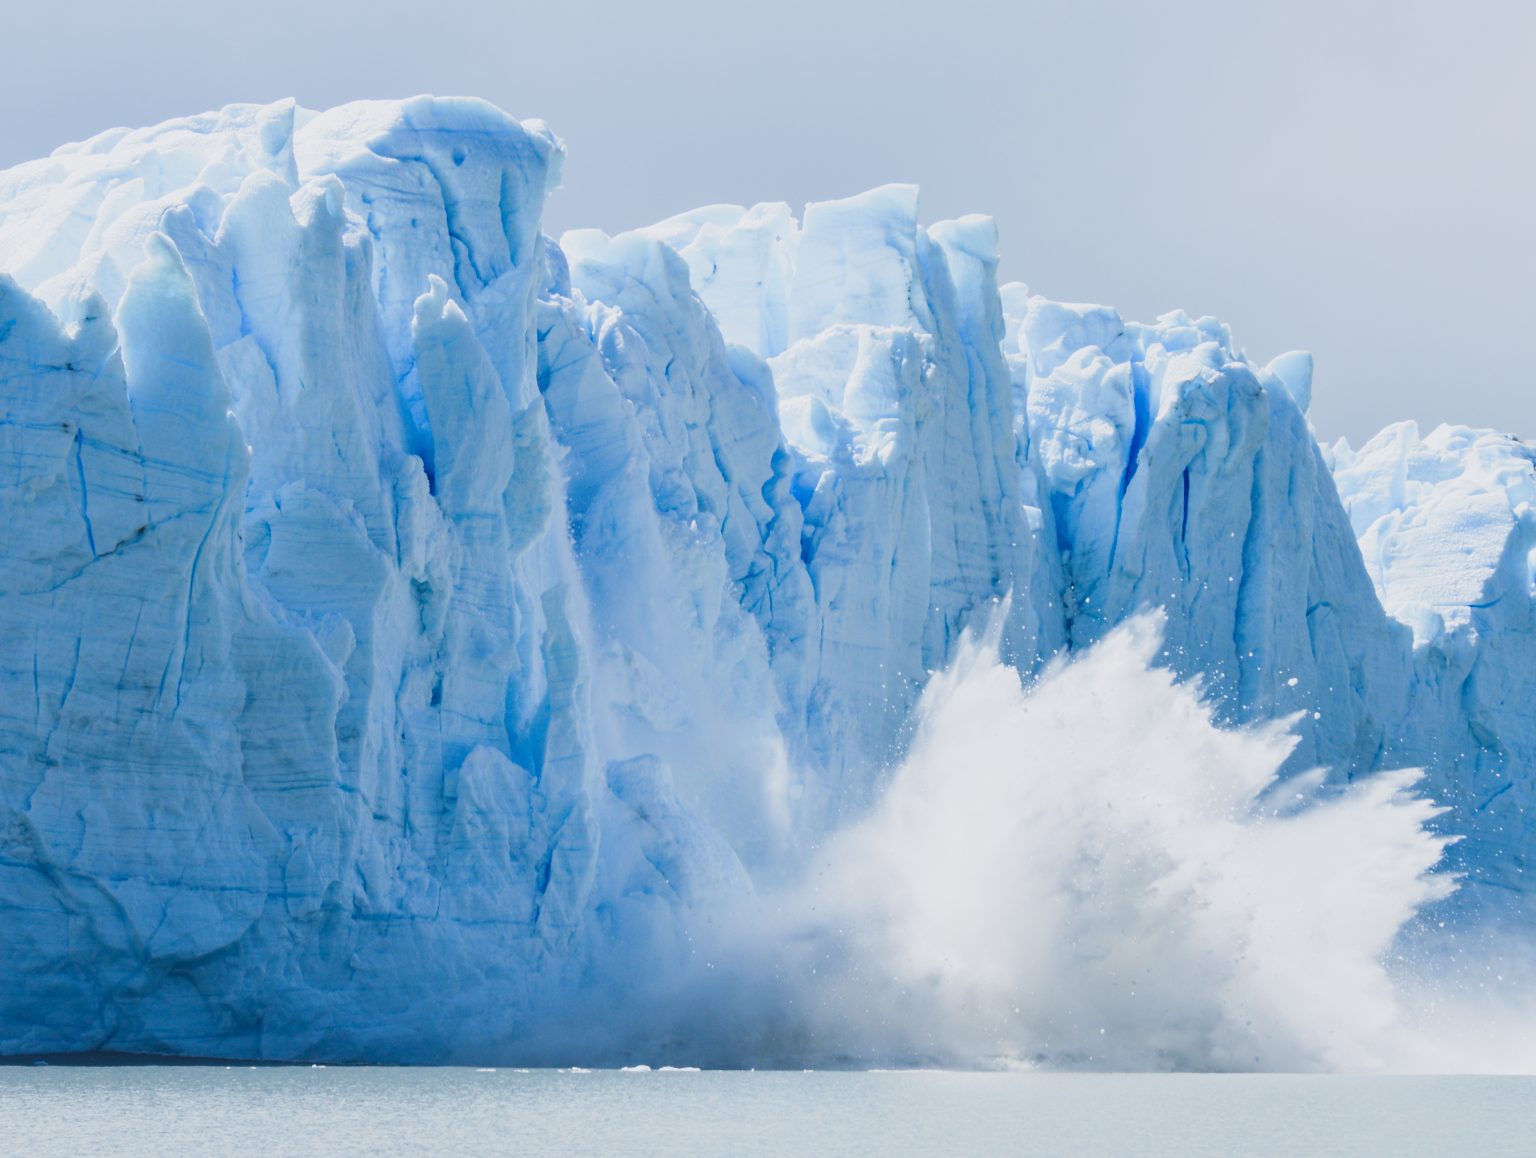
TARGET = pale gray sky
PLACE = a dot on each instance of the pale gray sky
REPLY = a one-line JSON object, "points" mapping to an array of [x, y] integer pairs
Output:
{"points": [[1353, 178]]}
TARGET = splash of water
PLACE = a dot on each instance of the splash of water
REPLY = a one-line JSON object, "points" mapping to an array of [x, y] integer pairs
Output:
{"points": [[1091, 872], [1085, 873]]}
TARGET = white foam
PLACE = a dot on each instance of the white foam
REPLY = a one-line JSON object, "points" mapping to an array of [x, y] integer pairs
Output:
{"points": [[1092, 873]]}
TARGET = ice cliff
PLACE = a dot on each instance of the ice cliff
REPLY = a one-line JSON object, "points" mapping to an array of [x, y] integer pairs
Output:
{"points": [[405, 615]]}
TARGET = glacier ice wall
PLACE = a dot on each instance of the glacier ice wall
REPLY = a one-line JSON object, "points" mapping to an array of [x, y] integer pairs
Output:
{"points": [[324, 710], [411, 625], [1447, 530]]}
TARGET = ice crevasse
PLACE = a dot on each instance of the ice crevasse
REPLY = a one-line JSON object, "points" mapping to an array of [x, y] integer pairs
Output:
{"points": [[403, 613]]}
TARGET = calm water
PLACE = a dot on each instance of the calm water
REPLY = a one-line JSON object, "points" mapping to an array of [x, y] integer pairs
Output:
{"points": [[208, 1110]]}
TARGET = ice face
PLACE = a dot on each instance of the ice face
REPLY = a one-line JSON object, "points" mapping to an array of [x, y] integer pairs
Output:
{"points": [[894, 407], [1182, 476], [1447, 529], [307, 692], [1435, 518], [412, 628]]}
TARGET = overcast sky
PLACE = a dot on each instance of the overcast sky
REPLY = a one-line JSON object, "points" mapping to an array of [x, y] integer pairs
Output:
{"points": [[1352, 178]]}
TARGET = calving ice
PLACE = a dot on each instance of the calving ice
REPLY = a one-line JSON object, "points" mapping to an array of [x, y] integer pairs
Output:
{"points": [[424, 639]]}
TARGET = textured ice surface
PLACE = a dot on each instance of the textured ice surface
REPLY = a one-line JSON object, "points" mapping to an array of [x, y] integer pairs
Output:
{"points": [[1447, 529], [409, 625], [1180, 475]]}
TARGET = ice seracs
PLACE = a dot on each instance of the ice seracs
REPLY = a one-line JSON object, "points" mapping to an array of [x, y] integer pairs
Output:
{"points": [[411, 626], [1447, 529], [1436, 516]]}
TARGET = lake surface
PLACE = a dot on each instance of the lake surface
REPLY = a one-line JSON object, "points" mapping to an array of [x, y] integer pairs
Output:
{"points": [[337, 1111]]}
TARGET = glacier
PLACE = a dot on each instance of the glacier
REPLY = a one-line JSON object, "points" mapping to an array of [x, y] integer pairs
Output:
{"points": [[416, 629]]}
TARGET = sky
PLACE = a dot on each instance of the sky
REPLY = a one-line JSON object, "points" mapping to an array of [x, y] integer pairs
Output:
{"points": [[1346, 177]]}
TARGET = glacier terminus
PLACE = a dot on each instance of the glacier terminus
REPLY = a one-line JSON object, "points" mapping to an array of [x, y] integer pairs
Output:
{"points": [[416, 630]]}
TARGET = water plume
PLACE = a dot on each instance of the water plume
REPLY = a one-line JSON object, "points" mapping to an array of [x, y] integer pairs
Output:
{"points": [[1085, 872], [1091, 872]]}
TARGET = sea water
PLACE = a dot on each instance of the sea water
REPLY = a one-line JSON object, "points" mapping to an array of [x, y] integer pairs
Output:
{"points": [[160, 1110]]}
